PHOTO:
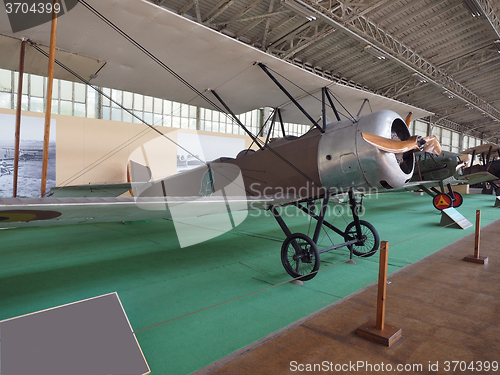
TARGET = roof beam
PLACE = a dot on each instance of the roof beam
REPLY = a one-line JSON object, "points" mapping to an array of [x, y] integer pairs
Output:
{"points": [[433, 14], [439, 37], [316, 38], [367, 32], [491, 18], [217, 10]]}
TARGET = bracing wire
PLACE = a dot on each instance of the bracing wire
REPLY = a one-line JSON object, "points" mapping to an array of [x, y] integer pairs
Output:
{"points": [[164, 66], [315, 97], [119, 148]]}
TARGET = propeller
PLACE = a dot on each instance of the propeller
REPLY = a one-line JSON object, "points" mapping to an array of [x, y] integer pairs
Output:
{"points": [[464, 160], [408, 119], [428, 144]]}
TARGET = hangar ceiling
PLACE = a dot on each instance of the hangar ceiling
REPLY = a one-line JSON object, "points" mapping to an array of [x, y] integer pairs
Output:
{"points": [[439, 55]]}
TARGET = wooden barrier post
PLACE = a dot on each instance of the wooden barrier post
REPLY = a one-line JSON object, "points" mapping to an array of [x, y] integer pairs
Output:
{"points": [[377, 330], [475, 258], [382, 284]]}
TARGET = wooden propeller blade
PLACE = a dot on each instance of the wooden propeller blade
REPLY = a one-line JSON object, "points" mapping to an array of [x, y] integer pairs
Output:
{"points": [[415, 142], [391, 145], [464, 160], [408, 119], [432, 145]]}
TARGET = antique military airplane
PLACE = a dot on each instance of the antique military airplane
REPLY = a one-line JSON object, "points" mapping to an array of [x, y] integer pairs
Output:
{"points": [[443, 171], [370, 151], [360, 152], [489, 162]]}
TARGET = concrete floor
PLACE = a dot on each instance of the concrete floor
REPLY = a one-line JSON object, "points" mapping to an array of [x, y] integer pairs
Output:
{"points": [[448, 309]]}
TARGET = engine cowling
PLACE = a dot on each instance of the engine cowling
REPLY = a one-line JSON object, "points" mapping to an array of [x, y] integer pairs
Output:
{"points": [[346, 160]]}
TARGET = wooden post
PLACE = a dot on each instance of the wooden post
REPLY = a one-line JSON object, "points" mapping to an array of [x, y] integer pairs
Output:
{"points": [[377, 330], [382, 284], [48, 108], [477, 234], [475, 258], [18, 118]]}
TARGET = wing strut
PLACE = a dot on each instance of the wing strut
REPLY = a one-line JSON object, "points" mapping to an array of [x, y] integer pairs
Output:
{"points": [[488, 163], [276, 113], [472, 161], [269, 131], [266, 70], [328, 96], [362, 106], [278, 110]]}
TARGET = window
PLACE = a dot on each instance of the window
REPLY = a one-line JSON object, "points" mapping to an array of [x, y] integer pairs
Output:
{"points": [[77, 99], [420, 129]]}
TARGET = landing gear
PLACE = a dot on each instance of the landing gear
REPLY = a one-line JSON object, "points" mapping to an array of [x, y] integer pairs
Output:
{"points": [[442, 201], [369, 242], [300, 255], [458, 199]]}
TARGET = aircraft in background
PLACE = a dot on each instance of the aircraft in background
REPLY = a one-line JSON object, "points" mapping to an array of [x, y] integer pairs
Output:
{"points": [[443, 171], [440, 170], [489, 162]]}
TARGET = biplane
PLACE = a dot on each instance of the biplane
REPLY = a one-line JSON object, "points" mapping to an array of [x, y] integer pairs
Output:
{"points": [[362, 151], [489, 161]]}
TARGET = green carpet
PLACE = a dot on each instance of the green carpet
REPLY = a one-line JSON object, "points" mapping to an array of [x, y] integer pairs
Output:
{"points": [[189, 298]]}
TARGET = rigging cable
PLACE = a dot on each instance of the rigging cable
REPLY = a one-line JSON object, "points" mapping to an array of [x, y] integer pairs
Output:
{"points": [[308, 93], [111, 153], [177, 76]]}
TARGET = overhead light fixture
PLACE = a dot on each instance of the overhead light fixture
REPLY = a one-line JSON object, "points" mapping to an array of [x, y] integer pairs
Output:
{"points": [[301, 8], [419, 77], [474, 8], [448, 94], [496, 43], [372, 50]]}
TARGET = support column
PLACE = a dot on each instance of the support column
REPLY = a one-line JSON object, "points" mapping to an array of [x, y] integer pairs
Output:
{"points": [[18, 118], [48, 109]]}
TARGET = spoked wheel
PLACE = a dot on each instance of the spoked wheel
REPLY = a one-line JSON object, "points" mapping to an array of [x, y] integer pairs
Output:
{"points": [[442, 201], [369, 242], [458, 199], [300, 257]]}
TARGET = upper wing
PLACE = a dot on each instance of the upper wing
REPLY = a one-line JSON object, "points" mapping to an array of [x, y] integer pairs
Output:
{"points": [[483, 148], [206, 59]]}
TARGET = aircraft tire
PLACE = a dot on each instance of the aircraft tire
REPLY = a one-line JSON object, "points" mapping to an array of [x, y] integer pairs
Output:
{"points": [[442, 201], [292, 258], [459, 199], [372, 240]]}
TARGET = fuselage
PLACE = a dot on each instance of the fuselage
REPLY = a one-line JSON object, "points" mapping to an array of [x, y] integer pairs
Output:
{"points": [[440, 167], [336, 160]]}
